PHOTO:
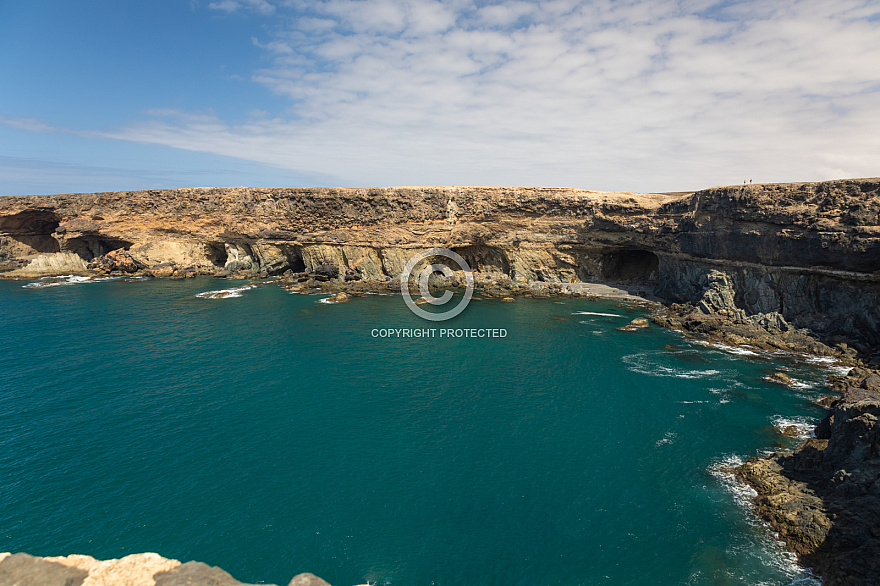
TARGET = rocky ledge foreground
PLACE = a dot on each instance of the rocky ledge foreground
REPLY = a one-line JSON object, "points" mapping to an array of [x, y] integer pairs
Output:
{"points": [[141, 569]]}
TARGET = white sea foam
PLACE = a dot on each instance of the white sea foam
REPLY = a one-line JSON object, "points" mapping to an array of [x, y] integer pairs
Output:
{"points": [[724, 397], [597, 313], [668, 438], [226, 293], [645, 363], [803, 425], [828, 363], [799, 384], [67, 280], [743, 495]]}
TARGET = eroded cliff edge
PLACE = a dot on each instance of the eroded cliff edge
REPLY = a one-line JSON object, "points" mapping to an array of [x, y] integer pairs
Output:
{"points": [[808, 251]]}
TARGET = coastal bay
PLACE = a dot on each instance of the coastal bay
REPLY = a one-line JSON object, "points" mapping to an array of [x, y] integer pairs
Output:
{"points": [[270, 434]]}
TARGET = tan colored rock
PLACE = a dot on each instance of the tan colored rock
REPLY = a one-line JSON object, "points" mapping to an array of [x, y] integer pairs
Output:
{"points": [[51, 265], [780, 378], [132, 570], [307, 579], [183, 252], [340, 297], [639, 323]]}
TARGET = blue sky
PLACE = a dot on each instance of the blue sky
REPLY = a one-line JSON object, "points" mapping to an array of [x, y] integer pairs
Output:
{"points": [[657, 95]]}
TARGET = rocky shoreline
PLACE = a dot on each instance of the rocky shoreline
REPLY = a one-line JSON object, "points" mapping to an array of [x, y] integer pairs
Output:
{"points": [[824, 498]]}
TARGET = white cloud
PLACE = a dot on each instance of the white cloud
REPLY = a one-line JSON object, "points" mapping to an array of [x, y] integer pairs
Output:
{"points": [[635, 95], [24, 123]]}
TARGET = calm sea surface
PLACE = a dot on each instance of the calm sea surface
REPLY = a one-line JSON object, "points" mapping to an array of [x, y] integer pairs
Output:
{"points": [[271, 434]]}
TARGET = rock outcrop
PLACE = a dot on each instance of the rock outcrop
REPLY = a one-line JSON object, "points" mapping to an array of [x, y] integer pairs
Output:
{"points": [[141, 569], [824, 499]]}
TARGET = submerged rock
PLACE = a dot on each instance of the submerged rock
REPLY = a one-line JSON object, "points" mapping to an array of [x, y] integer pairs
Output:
{"points": [[780, 378]]}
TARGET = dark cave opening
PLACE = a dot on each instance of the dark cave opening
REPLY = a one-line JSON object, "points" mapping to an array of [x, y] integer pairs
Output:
{"points": [[632, 265], [216, 253], [33, 228], [90, 247], [295, 260]]}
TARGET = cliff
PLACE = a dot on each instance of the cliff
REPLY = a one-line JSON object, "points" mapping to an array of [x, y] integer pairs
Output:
{"points": [[807, 251]]}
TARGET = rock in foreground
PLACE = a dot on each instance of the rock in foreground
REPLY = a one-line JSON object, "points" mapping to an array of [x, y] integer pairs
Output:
{"points": [[141, 569]]}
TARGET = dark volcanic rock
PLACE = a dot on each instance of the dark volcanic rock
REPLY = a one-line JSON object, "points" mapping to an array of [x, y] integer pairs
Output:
{"points": [[824, 499]]}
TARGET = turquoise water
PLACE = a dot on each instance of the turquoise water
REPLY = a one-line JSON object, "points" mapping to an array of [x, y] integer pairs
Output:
{"points": [[271, 434]]}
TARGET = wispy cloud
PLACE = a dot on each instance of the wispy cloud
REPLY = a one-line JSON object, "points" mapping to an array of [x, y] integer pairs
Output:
{"points": [[640, 95], [23, 123]]}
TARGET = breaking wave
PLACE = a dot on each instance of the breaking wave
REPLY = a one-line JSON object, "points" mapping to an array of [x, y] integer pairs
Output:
{"points": [[65, 280], [647, 363], [226, 293]]}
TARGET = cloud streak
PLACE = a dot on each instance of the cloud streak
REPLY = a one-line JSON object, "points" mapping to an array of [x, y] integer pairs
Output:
{"points": [[621, 95]]}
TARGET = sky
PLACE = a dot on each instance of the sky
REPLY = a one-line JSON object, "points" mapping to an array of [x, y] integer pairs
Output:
{"points": [[630, 95]]}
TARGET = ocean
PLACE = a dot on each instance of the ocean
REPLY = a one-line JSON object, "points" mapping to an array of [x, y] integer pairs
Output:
{"points": [[270, 434]]}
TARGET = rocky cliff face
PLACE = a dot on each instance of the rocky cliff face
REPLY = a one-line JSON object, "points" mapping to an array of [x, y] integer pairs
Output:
{"points": [[808, 251]]}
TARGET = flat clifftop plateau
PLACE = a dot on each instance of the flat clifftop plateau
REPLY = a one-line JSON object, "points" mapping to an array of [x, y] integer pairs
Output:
{"points": [[140, 569]]}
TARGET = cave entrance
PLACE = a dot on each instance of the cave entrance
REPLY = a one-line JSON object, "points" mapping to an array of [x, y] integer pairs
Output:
{"points": [[630, 266], [33, 229], [215, 252], [295, 260], [90, 247]]}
